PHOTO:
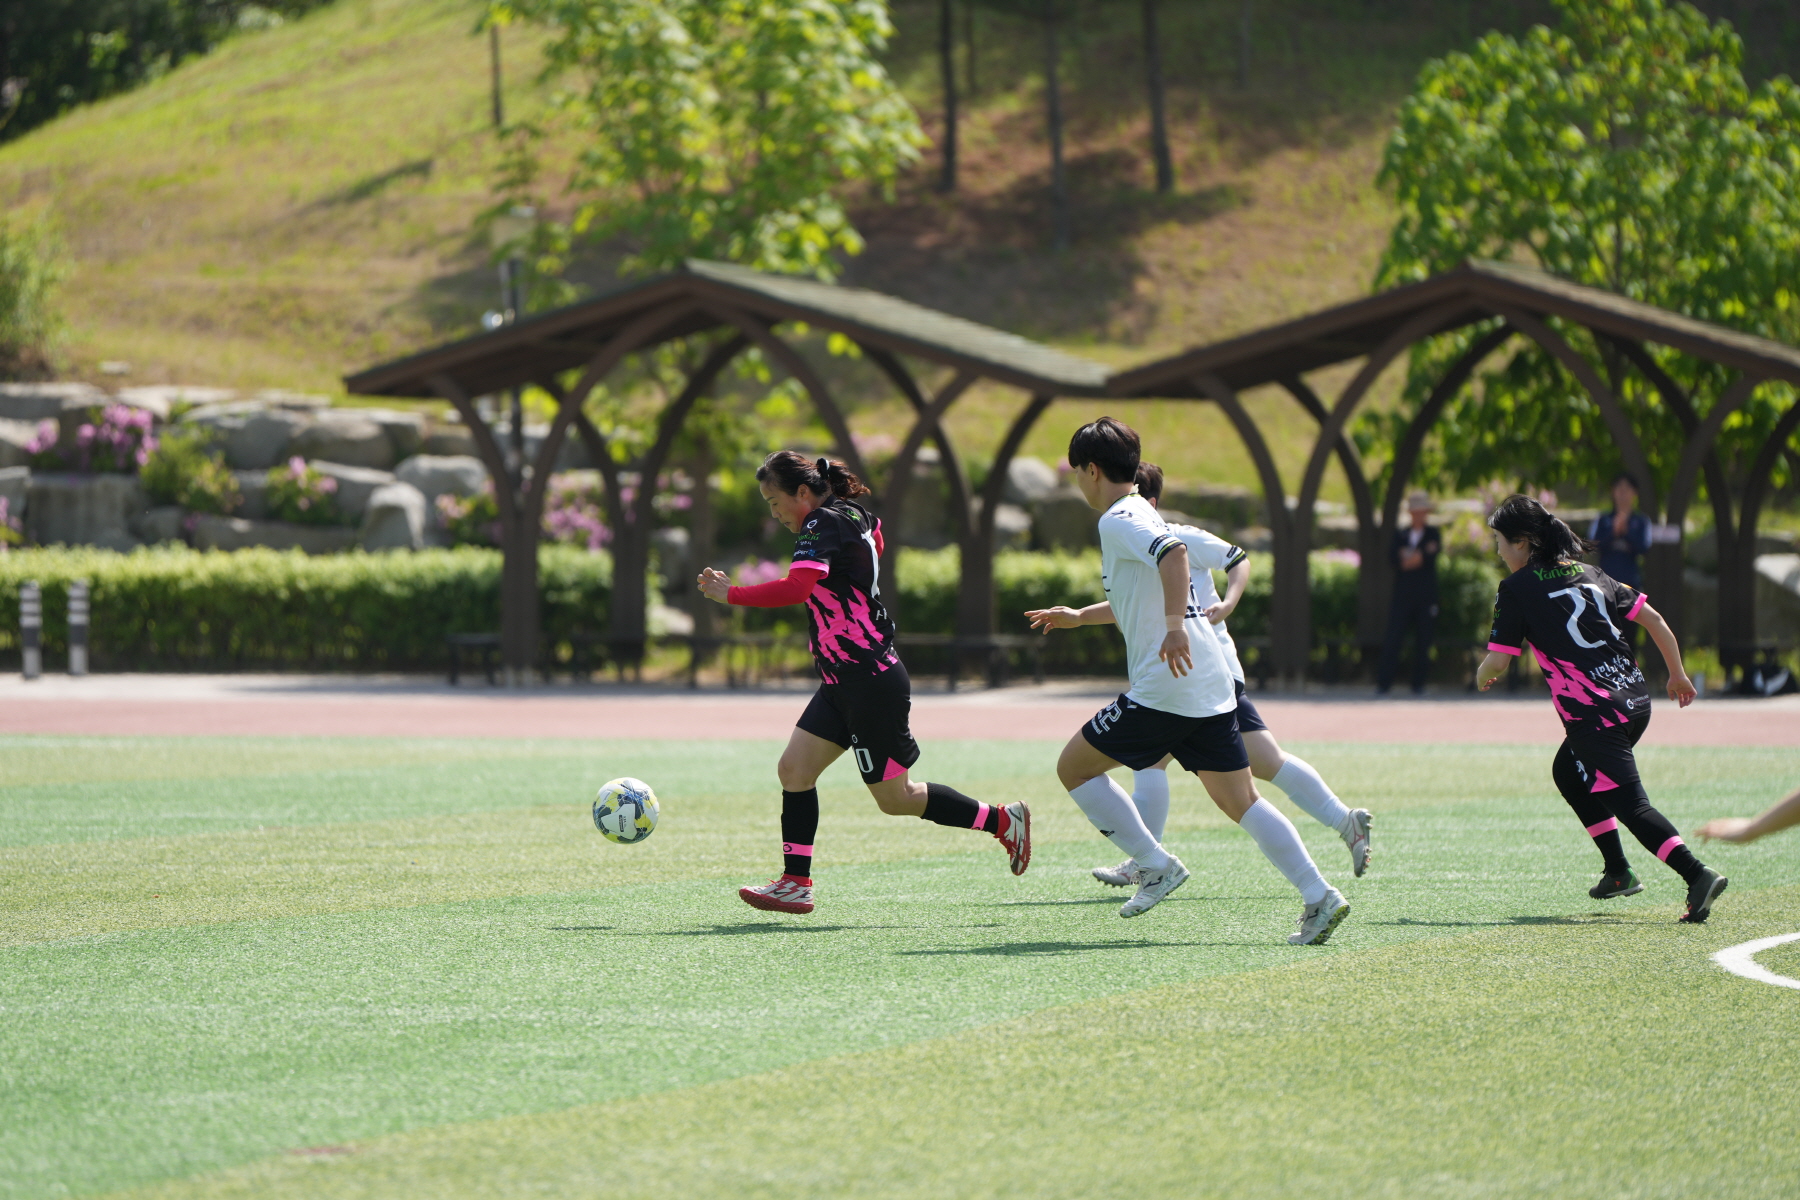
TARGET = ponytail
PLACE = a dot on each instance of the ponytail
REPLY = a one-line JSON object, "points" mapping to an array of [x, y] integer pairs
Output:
{"points": [[788, 469], [1522, 519]]}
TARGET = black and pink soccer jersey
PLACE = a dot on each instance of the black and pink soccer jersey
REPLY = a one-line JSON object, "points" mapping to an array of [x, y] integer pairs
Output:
{"points": [[1572, 615], [852, 633]]}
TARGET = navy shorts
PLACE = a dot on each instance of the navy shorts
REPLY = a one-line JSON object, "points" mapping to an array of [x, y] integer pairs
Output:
{"points": [[1127, 732], [870, 716], [1249, 720]]}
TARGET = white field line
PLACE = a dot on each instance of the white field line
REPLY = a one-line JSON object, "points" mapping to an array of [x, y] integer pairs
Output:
{"points": [[1741, 960]]}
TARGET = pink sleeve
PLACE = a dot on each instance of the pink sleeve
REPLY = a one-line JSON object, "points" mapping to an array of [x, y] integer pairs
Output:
{"points": [[1497, 648], [1637, 606], [880, 543], [778, 593]]}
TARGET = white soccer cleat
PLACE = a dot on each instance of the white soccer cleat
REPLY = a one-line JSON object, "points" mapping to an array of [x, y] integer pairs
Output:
{"points": [[1319, 920], [1123, 875], [1355, 832], [787, 894], [1154, 886]]}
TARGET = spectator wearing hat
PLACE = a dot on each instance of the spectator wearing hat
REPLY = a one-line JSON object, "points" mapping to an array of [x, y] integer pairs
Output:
{"points": [[1414, 556]]}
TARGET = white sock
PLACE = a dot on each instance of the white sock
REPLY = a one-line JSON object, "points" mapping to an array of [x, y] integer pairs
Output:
{"points": [[1150, 792], [1281, 845], [1105, 804], [1308, 791]]}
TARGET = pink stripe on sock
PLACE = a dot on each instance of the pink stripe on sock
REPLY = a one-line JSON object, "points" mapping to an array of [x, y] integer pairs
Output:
{"points": [[981, 812], [1606, 826], [795, 848], [1668, 848]]}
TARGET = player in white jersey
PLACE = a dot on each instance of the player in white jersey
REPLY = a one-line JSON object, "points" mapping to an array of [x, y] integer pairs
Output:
{"points": [[1182, 701], [1294, 776]]}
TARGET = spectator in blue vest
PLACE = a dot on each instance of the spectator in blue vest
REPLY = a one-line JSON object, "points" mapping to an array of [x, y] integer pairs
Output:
{"points": [[1623, 535]]}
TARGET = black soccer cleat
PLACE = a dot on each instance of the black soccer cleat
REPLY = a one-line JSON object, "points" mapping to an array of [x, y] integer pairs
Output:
{"points": [[1707, 887], [1611, 885]]}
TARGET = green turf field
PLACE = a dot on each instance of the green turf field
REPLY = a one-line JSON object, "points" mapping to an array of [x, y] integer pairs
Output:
{"points": [[293, 967]]}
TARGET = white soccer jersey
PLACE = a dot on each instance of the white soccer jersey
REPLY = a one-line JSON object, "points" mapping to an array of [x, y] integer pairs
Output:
{"points": [[1133, 539], [1208, 553]]}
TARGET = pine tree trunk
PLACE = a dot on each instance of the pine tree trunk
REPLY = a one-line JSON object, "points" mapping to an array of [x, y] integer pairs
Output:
{"points": [[1153, 76], [1243, 79], [947, 68], [1059, 183]]}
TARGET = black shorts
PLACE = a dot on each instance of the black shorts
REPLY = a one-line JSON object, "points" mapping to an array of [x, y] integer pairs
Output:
{"points": [[870, 716], [1127, 732], [1249, 720]]}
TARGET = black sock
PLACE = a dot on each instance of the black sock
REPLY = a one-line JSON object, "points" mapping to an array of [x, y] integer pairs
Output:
{"points": [[1656, 833], [1612, 850], [945, 805], [799, 825]]}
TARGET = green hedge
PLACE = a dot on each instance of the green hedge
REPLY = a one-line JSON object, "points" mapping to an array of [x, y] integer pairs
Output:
{"points": [[928, 583], [176, 608]]}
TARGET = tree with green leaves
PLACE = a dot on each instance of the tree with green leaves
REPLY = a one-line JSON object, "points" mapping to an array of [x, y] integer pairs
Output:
{"points": [[1623, 150], [723, 129]]}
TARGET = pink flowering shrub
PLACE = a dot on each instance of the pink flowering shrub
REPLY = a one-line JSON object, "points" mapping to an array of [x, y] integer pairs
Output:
{"points": [[299, 493], [573, 513], [117, 441], [471, 520], [753, 571], [10, 534], [42, 448]]}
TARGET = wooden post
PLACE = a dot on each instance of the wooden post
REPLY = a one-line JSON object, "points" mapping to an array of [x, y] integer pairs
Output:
{"points": [[1153, 77]]}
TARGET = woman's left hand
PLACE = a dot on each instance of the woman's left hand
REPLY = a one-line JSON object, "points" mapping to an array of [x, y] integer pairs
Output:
{"points": [[1681, 689], [1215, 613], [714, 585]]}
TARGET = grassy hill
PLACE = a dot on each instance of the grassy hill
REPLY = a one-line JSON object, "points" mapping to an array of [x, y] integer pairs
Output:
{"points": [[299, 203]]}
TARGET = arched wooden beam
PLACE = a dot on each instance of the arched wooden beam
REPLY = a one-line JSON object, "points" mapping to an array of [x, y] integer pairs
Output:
{"points": [[1737, 590], [1289, 659], [928, 422], [1419, 327], [492, 457], [1360, 496], [1376, 580], [975, 601], [796, 365], [1631, 449]]}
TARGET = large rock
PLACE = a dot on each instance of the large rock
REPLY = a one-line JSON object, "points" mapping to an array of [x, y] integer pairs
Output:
{"points": [[236, 533], [443, 475], [572, 455], [1012, 528], [261, 439], [36, 401], [161, 398], [83, 510], [1028, 480], [405, 430], [253, 486], [297, 401], [14, 437], [355, 485], [160, 524], [15, 486], [343, 436], [1063, 521], [1230, 507], [449, 441], [394, 519], [924, 520]]}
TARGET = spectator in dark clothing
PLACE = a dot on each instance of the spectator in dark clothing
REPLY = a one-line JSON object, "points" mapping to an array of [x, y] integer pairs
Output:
{"points": [[1414, 556], [1623, 535]]}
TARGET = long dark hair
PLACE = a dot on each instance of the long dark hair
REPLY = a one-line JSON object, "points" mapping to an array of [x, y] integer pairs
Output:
{"points": [[1522, 519], [788, 469]]}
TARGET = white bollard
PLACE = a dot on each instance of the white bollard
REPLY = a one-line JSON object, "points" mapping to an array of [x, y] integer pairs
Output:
{"points": [[78, 627], [31, 628]]}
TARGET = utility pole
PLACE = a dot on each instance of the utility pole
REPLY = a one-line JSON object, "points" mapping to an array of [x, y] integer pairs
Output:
{"points": [[1159, 128], [947, 66]]}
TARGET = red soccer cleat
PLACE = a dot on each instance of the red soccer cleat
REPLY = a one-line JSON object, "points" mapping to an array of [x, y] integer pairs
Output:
{"points": [[789, 894], [1015, 835]]}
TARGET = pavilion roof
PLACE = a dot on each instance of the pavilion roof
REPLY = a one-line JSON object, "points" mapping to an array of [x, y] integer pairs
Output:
{"points": [[567, 338], [1469, 293]]}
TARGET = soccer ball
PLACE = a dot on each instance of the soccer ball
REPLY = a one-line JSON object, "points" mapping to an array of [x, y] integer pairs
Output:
{"points": [[625, 810]]}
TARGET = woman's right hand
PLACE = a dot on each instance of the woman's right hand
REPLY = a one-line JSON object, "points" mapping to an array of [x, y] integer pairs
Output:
{"points": [[715, 585], [1060, 617]]}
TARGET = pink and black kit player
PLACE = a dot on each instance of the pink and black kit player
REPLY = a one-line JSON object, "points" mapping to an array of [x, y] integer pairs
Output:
{"points": [[864, 701], [1573, 616]]}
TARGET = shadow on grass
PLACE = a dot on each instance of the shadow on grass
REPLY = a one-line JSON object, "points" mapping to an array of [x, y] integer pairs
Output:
{"points": [[1047, 949], [759, 927], [576, 928], [1594, 919]]}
